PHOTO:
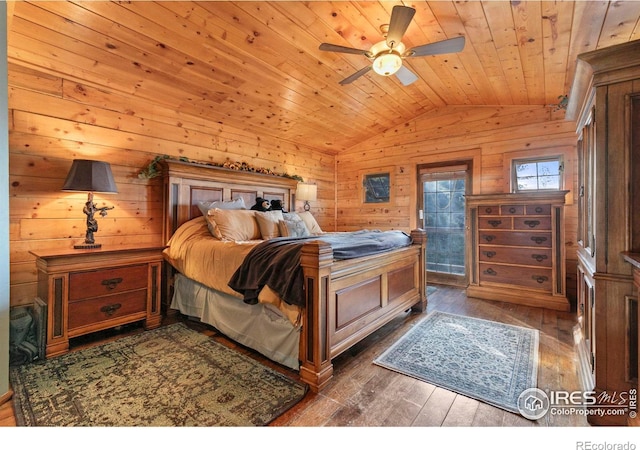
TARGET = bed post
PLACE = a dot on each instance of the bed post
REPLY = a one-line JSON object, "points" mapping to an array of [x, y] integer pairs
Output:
{"points": [[419, 237], [315, 360]]}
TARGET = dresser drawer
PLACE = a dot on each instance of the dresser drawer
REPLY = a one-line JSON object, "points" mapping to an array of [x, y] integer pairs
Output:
{"points": [[516, 238], [532, 223], [542, 210], [107, 281], [540, 257], [488, 210], [512, 210], [497, 223], [535, 278], [101, 309]]}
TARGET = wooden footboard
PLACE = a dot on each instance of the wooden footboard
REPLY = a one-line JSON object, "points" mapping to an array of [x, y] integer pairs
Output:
{"points": [[350, 299]]}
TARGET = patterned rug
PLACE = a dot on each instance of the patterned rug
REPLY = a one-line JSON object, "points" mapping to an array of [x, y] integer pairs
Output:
{"points": [[170, 376], [488, 361]]}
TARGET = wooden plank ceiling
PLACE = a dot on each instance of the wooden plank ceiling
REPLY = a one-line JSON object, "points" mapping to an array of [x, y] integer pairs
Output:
{"points": [[256, 65]]}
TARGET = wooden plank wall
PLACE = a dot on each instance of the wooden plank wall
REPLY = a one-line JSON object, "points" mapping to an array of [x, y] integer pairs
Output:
{"points": [[490, 136], [54, 120]]}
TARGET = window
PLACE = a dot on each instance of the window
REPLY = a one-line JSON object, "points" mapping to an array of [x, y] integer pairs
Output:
{"points": [[539, 174]]}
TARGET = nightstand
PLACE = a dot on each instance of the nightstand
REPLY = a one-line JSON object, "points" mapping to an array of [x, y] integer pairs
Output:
{"points": [[92, 290]]}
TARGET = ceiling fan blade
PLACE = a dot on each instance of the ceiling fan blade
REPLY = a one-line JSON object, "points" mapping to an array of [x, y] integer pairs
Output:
{"points": [[356, 75], [401, 17], [341, 49], [406, 76], [453, 45]]}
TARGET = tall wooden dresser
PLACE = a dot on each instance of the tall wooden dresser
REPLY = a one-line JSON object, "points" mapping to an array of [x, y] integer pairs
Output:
{"points": [[518, 248], [605, 102]]}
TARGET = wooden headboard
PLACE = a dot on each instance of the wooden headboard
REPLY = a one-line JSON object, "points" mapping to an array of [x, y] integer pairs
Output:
{"points": [[186, 184]]}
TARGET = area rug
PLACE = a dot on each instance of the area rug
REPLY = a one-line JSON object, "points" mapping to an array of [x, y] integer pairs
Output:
{"points": [[489, 361], [170, 376]]}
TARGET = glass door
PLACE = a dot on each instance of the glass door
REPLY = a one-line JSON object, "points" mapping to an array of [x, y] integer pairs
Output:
{"points": [[443, 216]]}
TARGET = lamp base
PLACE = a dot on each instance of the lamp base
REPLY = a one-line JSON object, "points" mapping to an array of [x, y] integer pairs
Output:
{"points": [[87, 246]]}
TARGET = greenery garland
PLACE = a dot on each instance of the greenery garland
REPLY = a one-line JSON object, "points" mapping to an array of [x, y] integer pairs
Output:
{"points": [[152, 170]]}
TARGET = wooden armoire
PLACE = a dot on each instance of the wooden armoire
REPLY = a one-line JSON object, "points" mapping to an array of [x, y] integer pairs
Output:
{"points": [[605, 102]]}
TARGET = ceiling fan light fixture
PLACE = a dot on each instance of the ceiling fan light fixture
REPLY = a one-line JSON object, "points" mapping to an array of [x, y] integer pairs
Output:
{"points": [[387, 64], [386, 56]]}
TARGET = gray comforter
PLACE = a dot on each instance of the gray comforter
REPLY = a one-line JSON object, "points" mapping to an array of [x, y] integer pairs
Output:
{"points": [[276, 262]]}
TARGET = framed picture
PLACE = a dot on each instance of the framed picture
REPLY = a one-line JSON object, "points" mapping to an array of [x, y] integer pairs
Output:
{"points": [[376, 187]]}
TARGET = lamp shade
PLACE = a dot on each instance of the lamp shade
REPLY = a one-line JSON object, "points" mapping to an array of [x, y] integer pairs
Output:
{"points": [[307, 192], [90, 176]]}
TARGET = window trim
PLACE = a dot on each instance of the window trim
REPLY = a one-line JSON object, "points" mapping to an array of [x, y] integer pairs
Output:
{"points": [[536, 159], [567, 152]]}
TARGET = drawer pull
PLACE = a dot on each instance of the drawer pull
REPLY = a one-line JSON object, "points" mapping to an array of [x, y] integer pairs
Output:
{"points": [[512, 210], [532, 223], [111, 283], [538, 239], [490, 271], [495, 223], [488, 210], [110, 309], [488, 237], [539, 258], [540, 278], [489, 254], [539, 209]]}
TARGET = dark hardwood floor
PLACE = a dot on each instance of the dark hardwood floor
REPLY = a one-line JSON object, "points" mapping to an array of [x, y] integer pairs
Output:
{"points": [[363, 394]]}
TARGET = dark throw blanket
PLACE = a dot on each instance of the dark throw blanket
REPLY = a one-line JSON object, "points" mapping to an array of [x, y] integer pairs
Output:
{"points": [[276, 262]]}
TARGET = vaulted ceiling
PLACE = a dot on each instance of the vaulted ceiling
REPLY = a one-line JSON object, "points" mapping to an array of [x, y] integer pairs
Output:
{"points": [[257, 65]]}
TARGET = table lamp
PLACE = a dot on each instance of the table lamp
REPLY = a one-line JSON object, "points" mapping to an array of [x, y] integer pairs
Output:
{"points": [[90, 176], [307, 192]]}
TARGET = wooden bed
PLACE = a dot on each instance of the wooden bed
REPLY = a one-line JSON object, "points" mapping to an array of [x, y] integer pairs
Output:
{"points": [[345, 300]]}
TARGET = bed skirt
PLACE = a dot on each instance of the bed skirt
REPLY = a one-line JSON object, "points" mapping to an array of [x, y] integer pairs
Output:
{"points": [[260, 327]]}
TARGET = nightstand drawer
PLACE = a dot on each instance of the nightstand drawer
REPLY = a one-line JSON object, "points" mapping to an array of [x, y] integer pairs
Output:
{"points": [[107, 281], [110, 307]]}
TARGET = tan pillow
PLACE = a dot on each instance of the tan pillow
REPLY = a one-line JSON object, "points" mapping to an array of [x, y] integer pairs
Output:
{"points": [[268, 223], [233, 224], [310, 222]]}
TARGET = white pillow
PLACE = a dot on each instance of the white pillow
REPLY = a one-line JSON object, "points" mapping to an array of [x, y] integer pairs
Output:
{"points": [[310, 222], [233, 224], [268, 223], [205, 206], [292, 225]]}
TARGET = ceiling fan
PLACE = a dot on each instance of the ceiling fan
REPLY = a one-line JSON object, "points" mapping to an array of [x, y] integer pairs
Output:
{"points": [[387, 55]]}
